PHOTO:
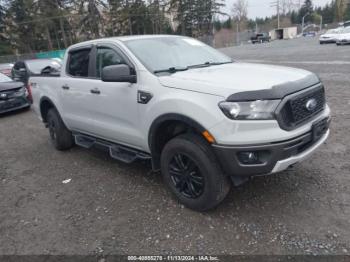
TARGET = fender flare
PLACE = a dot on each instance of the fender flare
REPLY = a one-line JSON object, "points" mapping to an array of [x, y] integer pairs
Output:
{"points": [[158, 122], [46, 99]]}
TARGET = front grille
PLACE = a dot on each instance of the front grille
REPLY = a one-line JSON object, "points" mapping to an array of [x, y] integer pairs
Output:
{"points": [[293, 111], [8, 94]]}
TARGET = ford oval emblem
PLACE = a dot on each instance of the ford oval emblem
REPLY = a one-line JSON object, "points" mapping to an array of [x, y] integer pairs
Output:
{"points": [[311, 104]]}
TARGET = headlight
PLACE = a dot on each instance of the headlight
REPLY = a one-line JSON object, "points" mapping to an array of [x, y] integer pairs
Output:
{"points": [[253, 110], [21, 92]]}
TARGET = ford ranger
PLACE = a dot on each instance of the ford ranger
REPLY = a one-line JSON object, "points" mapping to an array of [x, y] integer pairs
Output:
{"points": [[204, 120]]}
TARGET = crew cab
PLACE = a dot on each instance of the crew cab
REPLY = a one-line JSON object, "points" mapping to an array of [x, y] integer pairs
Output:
{"points": [[203, 120]]}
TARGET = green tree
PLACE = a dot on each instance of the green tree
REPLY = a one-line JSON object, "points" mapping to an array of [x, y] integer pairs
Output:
{"points": [[91, 20], [5, 47], [307, 8], [347, 13]]}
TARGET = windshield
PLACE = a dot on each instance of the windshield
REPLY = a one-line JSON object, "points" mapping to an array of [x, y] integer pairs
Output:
{"points": [[162, 53], [35, 66], [4, 78]]}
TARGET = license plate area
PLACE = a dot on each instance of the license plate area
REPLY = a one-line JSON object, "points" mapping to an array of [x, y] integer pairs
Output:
{"points": [[319, 129], [10, 103]]}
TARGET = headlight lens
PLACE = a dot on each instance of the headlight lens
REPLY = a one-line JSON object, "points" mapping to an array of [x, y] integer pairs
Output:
{"points": [[253, 110], [21, 92]]}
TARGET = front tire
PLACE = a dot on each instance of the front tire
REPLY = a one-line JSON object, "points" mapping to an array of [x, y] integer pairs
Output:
{"points": [[60, 136], [192, 173]]}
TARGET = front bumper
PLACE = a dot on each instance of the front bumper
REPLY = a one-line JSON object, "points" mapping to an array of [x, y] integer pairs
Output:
{"points": [[13, 104], [276, 156], [343, 41], [328, 41]]}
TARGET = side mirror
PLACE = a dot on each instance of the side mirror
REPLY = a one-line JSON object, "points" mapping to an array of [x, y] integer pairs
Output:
{"points": [[118, 73]]}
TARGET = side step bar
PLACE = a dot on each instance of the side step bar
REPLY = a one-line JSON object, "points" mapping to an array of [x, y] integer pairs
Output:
{"points": [[122, 153]]}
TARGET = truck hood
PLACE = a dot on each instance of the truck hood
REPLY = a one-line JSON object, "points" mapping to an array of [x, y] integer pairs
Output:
{"points": [[327, 36], [225, 80]]}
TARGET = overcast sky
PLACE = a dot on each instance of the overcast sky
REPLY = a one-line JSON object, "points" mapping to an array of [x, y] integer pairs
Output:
{"points": [[261, 8]]}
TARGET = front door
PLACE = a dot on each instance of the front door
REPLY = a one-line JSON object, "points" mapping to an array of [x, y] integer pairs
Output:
{"points": [[114, 105]]}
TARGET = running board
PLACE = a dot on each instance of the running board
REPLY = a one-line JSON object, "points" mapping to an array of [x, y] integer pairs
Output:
{"points": [[119, 152]]}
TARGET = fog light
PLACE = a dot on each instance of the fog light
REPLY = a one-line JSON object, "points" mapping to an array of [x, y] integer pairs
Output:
{"points": [[249, 158]]}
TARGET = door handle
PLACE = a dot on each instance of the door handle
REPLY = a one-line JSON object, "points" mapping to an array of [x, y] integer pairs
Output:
{"points": [[95, 91], [65, 87]]}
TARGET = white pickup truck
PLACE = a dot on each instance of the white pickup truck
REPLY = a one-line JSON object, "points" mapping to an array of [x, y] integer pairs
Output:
{"points": [[202, 119]]}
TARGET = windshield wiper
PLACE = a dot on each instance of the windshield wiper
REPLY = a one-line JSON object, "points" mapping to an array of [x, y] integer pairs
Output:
{"points": [[171, 70], [206, 64]]}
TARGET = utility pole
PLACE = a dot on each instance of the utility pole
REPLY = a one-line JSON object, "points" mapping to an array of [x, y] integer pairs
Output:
{"points": [[277, 5], [303, 22]]}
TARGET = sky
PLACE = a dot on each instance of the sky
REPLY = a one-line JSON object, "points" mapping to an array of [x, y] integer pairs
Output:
{"points": [[261, 8]]}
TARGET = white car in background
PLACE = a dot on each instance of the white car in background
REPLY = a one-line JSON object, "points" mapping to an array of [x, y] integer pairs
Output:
{"points": [[344, 37], [330, 36]]}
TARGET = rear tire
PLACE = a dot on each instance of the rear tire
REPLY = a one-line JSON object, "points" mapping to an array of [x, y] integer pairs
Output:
{"points": [[60, 136], [193, 174]]}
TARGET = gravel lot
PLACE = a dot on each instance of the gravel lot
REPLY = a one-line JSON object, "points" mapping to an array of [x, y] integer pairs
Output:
{"points": [[112, 208]]}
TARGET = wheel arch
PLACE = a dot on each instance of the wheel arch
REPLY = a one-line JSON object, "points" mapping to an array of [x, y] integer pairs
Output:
{"points": [[45, 105], [166, 127]]}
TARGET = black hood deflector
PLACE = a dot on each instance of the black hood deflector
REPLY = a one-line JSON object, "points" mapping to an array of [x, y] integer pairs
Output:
{"points": [[276, 92]]}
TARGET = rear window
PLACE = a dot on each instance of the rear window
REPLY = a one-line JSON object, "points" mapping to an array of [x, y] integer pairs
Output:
{"points": [[79, 63], [35, 66]]}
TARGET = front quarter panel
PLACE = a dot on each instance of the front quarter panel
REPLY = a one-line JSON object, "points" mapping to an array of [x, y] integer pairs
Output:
{"points": [[202, 108]]}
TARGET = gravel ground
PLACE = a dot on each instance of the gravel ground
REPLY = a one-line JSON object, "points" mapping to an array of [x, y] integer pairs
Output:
{"points": [[111, 208]]}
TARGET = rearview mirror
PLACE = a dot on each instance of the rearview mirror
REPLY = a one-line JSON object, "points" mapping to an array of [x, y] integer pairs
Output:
{"points": [[118, 73]]}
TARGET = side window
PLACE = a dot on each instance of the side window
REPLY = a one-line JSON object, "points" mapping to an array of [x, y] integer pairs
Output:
{"points": [[106, 57], [79, 63]]}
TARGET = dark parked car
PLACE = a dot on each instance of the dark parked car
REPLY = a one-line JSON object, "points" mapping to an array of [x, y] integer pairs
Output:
{"points": [[13, 95], [22, 70], [6, 69], [260, 38], [309, 34]]}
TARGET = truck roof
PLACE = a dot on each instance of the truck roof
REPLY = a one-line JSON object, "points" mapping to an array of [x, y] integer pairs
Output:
{"points": [[122, 39]]}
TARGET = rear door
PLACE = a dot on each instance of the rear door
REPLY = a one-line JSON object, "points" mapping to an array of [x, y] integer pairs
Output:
{"points": [[75, 90]]}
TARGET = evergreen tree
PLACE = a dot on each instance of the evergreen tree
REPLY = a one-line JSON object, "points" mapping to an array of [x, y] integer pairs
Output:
{"points": [[307, 8], [5, 47]]}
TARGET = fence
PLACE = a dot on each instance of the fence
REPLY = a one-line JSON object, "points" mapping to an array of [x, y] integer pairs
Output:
{"points": [[50, 54]]}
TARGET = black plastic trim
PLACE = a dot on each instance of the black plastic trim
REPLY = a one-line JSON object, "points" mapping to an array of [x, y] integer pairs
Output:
{"points": [[143, 97], [280, 107], [276, 92], [43, 99], [157, 123], [227, 155]]}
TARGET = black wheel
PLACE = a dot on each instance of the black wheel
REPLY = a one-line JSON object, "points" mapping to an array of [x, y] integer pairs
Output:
{"points": [[192, 173], [60, 136]]}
